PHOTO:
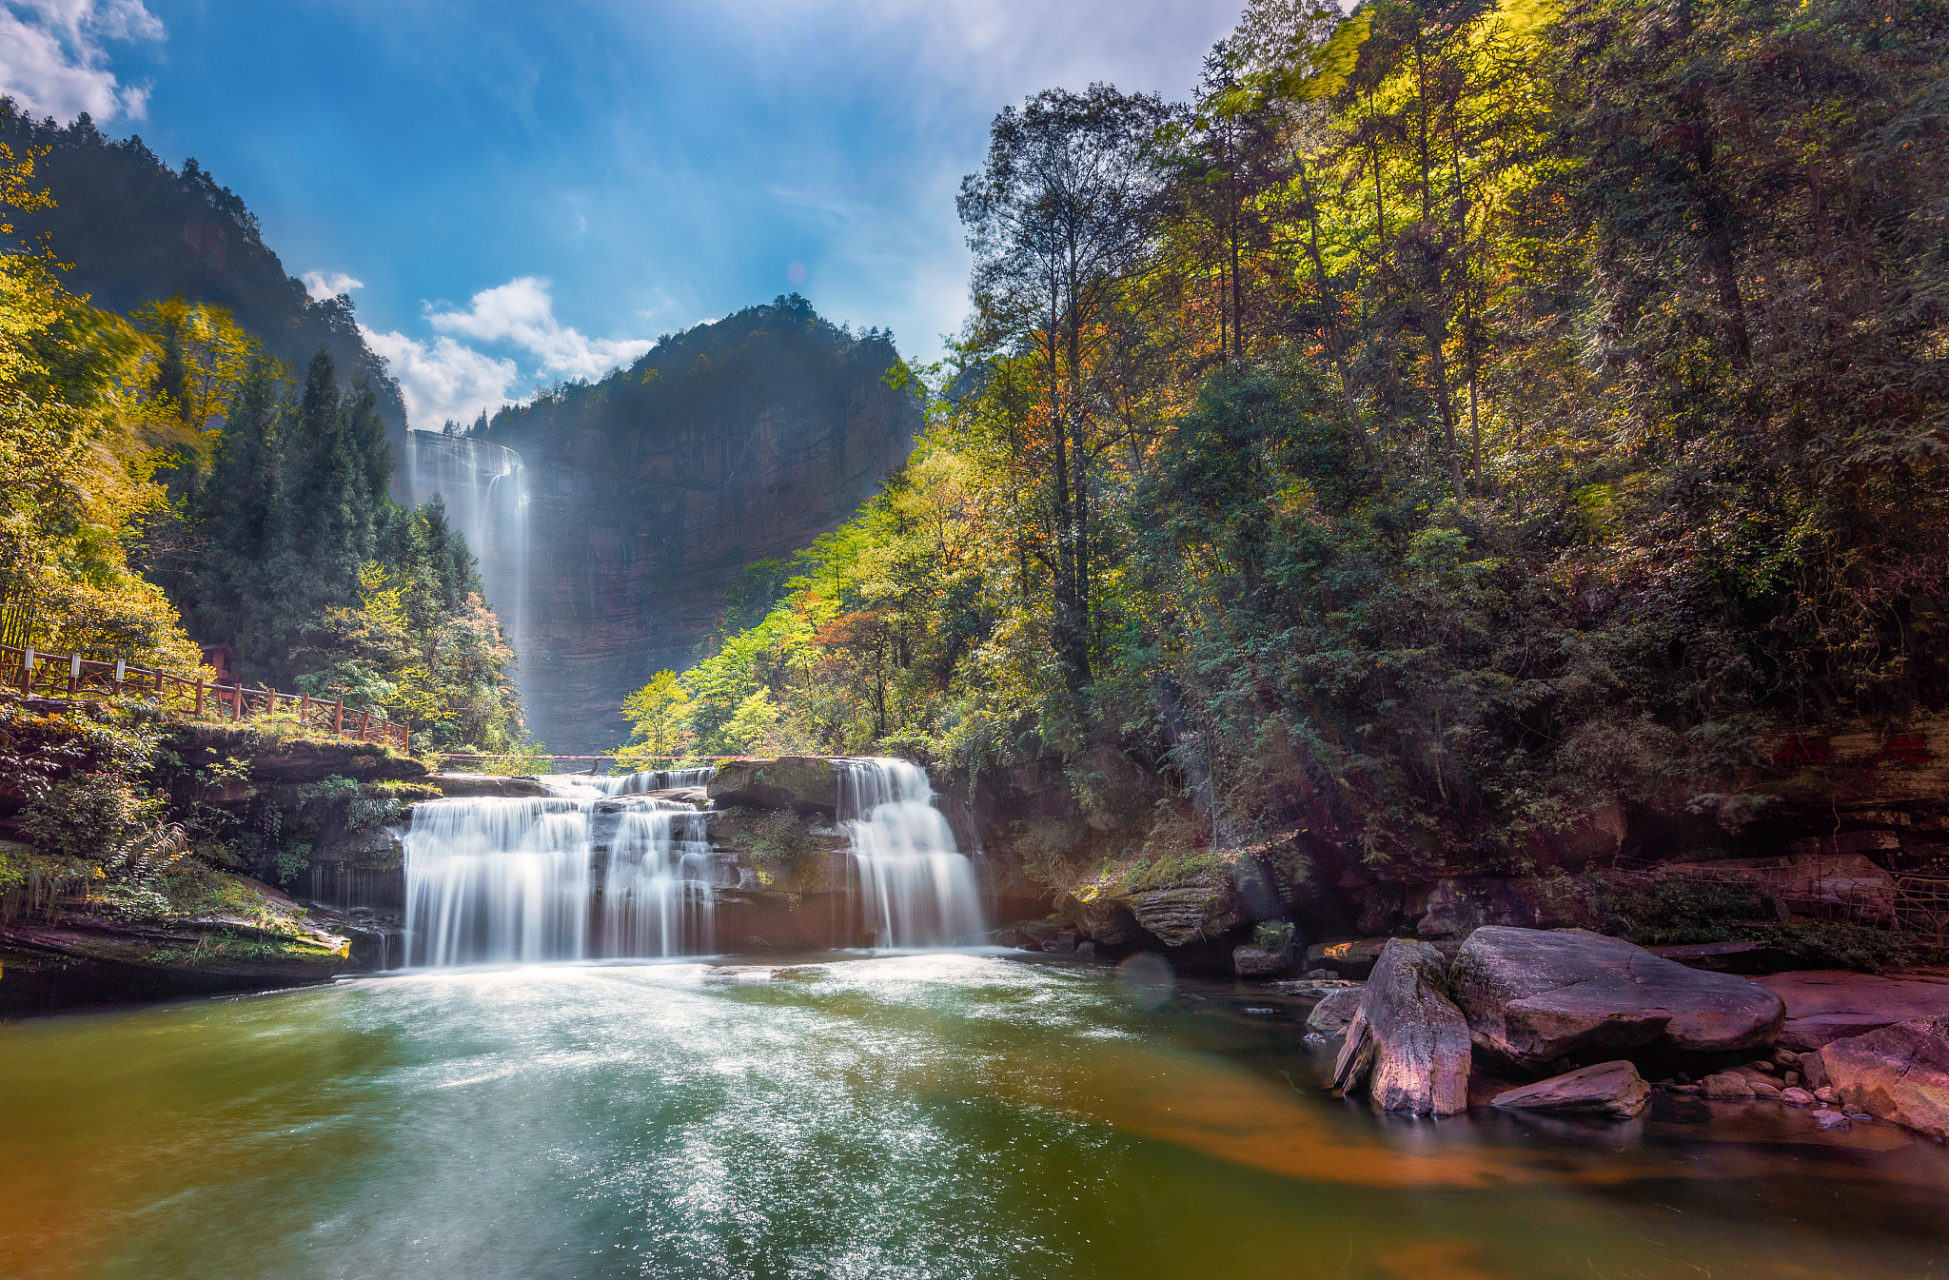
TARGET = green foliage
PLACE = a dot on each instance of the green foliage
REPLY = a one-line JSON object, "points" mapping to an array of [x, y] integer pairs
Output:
{"points": [[1462, 420]]}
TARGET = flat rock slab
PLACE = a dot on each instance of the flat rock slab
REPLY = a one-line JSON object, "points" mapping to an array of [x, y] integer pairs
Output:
{"points": [[1533, 997], [1825, 1005], [1408, 1043], [1609, 1088], [468, 785], [1899, 1073]]}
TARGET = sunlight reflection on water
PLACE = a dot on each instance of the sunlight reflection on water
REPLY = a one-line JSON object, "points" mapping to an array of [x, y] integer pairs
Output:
{"points": [[923, 1114]]}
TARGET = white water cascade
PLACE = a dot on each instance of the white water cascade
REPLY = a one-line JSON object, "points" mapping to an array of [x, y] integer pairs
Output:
{"points": [[485, 489], [594, 869], [916, 888]]}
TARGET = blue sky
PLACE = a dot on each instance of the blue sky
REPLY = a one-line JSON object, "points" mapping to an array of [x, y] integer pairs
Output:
{"points": [[524, 192]]}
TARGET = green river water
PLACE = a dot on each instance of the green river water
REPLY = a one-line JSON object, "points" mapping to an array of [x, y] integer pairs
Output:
{"points": [[925, 1115]]}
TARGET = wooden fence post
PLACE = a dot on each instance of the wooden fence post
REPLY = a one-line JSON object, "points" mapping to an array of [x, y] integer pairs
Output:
{"points": [[338, 718], [74, 675], [121, 674], [199, 695], [27, 671]]}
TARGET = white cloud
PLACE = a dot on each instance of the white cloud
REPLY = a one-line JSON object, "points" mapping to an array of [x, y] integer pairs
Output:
{"points": [[322, 285], [52, 62], [444, 380], [522, 313]]}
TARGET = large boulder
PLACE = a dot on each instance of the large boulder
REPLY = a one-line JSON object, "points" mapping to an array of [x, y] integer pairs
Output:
{"points": [[1408, 1043], [1533, 997], [1195, 898], [806, 785], [1609, 1088], [1899, 1073]]}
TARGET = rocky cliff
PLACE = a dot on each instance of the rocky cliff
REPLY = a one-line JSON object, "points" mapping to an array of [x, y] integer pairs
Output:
{"points": [[650, 491]]}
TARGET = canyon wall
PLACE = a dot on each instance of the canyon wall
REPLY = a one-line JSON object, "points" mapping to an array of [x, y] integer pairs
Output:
{"points": [[644, 495]]}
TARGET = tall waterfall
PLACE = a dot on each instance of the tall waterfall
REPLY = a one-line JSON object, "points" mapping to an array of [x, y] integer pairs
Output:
{"points": [[590, 870], [485, 489], [916, 888]]}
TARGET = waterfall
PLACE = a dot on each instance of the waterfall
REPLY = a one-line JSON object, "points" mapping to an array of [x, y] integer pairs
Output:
{"points": [[485, 489], [656, 892], [916, 889], [588, 870]]}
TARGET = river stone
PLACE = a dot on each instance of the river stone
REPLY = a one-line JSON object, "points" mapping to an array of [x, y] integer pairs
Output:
{"points": [[1831, 1120], [1899, 1073], [1408, 1042], [1533, 997], [1335, 1010], [1796, 1097], [1609, 1088], [1728, 1086]]}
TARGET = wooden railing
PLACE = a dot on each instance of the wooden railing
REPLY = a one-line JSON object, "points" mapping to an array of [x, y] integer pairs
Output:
{"points": [[69, 676]]}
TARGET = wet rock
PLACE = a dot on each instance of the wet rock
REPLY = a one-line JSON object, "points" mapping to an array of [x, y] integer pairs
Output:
{"points": [[1899, 1073], [1728, 1086], [1408, 1043], [1609, 1088], [1206, 897], [1831, 1120], [807, 785], [1796, 1097], [1533, 997], [1269, 954], [1766, 1091], [1347, 959], [1334, 1011], [1826, 1094], [454, 785]]}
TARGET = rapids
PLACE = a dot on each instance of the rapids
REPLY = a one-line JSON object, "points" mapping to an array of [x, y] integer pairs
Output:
{"points": [[924, 1115]]}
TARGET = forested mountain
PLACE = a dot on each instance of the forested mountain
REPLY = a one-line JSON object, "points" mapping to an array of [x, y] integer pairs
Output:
{"points": [[732, 444], [133, 231], [169, 482], [1458, 422]]}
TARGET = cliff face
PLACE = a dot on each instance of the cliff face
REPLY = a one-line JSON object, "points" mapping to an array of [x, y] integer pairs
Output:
{"points": [[647, 493]]}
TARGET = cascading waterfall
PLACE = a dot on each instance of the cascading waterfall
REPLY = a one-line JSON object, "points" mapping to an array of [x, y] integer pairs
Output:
{"points": [[498, 881], [484, 486], [916, 888], [656, 892]]}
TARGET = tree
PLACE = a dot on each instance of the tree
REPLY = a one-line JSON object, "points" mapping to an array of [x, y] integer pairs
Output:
{"points": [[1058, 218], [659, 716]]}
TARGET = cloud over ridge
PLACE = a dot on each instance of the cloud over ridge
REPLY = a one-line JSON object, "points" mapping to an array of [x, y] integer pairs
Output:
{"points": [[522, 313]]}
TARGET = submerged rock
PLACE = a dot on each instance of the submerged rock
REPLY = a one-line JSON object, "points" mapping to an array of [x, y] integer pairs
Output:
{"points": [[1533, 998], [1609, 1088], [1899, 1073], [1408, 1043]]}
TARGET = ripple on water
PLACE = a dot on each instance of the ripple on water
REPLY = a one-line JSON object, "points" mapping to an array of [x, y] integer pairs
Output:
{"points": [[931, 1114]]}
